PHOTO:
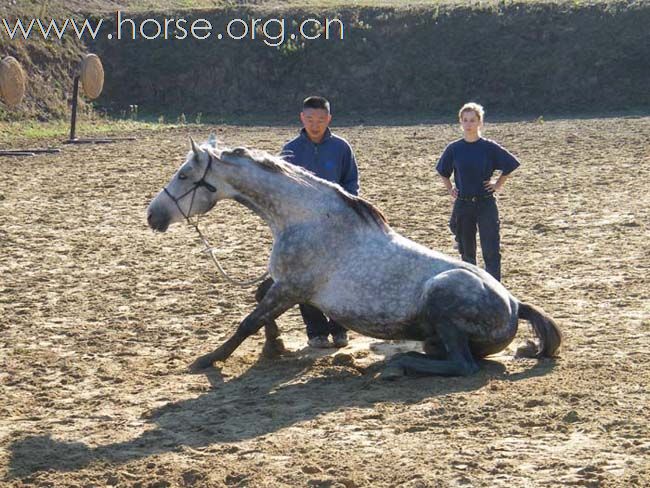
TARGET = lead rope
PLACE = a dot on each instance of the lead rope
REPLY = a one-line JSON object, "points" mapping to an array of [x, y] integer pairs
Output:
{"points": [[210, 250]]}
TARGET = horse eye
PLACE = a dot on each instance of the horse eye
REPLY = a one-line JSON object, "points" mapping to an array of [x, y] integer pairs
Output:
{"points": [[182, 176]]}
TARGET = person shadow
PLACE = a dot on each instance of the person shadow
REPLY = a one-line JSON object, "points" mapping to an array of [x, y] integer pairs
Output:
{"points": [[269, 396]]}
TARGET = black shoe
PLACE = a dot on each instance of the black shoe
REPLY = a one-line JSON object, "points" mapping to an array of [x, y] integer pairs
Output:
{"points": [[319, 342], [340, 339]]}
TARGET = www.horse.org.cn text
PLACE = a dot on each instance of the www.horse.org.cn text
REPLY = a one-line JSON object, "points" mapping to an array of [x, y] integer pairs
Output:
{"points": [[272, 31]]}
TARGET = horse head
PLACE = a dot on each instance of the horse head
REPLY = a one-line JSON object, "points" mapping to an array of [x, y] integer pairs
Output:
{"points": [[193, 190]]}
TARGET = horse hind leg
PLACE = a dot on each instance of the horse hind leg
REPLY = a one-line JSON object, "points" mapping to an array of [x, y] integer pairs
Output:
{"points": [[498, 342], [457, 306], [455, 360], [434, 349], [273, 344]]}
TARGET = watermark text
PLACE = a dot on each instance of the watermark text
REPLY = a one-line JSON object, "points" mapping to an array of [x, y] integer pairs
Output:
{"points": [[271, 31]]}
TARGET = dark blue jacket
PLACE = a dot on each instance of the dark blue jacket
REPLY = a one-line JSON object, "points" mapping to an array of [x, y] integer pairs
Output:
{"points": [[472, 163], [332, 159]]}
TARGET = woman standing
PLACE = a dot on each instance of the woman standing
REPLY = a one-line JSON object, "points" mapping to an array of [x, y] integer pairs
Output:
{"points": [[472, 160]]}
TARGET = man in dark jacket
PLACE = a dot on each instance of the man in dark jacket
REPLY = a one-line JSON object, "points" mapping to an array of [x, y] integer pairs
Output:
{"points": [[330, 157]]}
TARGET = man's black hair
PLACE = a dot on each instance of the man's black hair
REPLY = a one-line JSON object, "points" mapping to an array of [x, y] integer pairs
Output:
{"points": [[316, 102]]}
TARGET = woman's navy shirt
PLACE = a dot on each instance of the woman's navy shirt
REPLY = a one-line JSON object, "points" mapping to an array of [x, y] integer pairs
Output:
{"points": [[472, 163]]}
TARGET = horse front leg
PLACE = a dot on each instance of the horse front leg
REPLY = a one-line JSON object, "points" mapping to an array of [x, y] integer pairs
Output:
{"points": [[273, 345], [274, 304]]}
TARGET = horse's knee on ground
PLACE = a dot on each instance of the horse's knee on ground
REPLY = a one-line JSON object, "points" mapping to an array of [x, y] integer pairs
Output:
{"points": [[263, 289], [418, 364], [391, 372], [400, 355], [403, 358], [433, 348]]}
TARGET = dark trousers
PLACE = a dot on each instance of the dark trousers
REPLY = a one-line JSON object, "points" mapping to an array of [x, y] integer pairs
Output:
{"points": [[317, 324], [453, 223], [484, 214]]}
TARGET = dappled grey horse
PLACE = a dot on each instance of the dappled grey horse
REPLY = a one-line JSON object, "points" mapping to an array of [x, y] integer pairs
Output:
{"points": [[337, 252]]}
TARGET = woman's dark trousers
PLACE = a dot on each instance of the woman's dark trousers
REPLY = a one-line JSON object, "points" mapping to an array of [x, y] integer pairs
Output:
{"points": [[481, 213]]}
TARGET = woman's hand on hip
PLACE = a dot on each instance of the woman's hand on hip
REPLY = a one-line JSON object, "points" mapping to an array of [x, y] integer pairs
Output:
{"points": [[491, 186]]}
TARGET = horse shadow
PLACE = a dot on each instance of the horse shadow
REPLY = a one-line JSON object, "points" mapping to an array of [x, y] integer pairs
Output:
{"points": [[271, 395]]}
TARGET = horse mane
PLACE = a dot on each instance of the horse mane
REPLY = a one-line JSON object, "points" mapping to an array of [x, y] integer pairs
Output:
{"points": [[362, 207]]}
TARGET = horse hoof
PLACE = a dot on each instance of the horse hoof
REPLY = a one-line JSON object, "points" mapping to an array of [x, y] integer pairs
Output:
{"points": [[391, 373], [273, 349], [528, 350], [201, 364]]}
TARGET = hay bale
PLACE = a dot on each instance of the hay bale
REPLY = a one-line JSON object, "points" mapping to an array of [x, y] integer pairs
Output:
{"points": [[92, 75], [12, 81]]}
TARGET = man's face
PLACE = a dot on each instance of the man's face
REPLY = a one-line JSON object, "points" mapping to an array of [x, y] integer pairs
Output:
{"points": [[315, 121], [470, 123]]}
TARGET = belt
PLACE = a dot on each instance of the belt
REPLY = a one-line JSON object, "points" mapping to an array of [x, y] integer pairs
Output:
{"points": [[476, 199]]}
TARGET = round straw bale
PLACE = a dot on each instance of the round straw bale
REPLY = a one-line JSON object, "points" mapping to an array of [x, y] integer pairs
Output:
{"points": [[12, 81], [92, 75]]}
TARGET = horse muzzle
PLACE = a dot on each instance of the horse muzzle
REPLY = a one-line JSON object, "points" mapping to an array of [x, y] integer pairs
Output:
{"points": [[158, 219], [157, 223]]}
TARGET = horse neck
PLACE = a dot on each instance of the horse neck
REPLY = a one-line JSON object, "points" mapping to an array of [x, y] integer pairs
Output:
{"points": [[280, 200]]}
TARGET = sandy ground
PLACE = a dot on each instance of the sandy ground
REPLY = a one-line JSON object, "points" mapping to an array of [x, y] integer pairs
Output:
{"points": [[99, 318]]}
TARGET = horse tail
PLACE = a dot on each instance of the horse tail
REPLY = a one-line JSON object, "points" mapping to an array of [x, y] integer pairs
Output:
{"points": [[546, 330]]}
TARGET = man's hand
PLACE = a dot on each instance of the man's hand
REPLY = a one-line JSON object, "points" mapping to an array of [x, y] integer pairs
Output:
{"points": [[453, 192]]}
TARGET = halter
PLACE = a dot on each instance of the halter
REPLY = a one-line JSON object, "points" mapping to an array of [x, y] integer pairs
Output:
{"points": [[208, 249], [195, 186]]}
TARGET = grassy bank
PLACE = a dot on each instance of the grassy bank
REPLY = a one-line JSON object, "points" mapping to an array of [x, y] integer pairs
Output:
{"points": [[400, 58]]}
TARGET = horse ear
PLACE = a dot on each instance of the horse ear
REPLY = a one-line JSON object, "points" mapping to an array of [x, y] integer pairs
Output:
{"points": [[212, 140], [195, 148]]}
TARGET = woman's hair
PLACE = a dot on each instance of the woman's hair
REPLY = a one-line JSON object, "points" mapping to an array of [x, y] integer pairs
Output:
{"points": [[474, 107]]}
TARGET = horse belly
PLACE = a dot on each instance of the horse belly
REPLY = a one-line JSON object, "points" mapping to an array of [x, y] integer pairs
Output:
{"points": [[379, 313], [376, 288], [388, 330]]}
